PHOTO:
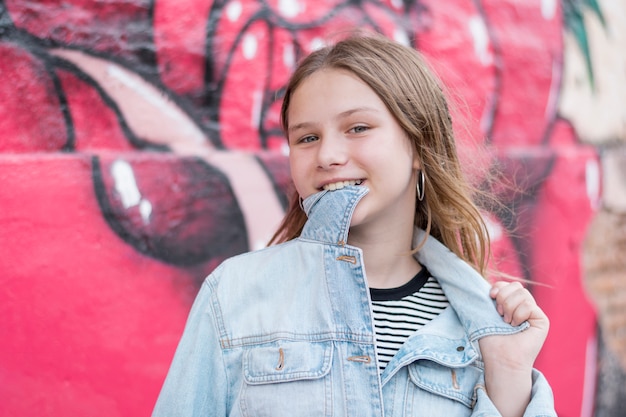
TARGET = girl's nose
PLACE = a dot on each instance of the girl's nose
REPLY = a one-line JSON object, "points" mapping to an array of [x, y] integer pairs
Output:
{"points": [[332, 152]]}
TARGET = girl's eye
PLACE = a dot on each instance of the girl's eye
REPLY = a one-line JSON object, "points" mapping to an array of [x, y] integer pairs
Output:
{"points": [[359, 129], [308, 139]]}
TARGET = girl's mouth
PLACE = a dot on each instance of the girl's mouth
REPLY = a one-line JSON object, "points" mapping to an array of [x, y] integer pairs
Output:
{"points": [[340, 184]]}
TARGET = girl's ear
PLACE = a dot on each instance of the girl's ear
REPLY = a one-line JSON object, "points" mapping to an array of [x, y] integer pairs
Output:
{"points": [[416, 163]]}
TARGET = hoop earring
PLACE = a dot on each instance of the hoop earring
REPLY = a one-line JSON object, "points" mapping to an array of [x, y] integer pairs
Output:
{"points": [[300, 200], [421, 185]]}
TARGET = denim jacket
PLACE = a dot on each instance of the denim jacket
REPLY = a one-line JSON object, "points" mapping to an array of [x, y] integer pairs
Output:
{"points": [[288, 331]]}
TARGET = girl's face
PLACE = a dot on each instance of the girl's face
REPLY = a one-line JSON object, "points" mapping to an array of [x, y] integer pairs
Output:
{"points": [[340, 132]]}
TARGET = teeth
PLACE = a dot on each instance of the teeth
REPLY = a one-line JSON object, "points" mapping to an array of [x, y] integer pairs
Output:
{"points": [[340, 184]]}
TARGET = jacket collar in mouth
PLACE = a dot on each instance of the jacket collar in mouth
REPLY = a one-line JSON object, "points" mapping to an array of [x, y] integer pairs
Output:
{"points": [[330, 212]]}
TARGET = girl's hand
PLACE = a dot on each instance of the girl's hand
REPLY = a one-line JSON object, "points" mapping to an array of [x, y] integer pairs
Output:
{"points": [[516, 305], [509, 359]]}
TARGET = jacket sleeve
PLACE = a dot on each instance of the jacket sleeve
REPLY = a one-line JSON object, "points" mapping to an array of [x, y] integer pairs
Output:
{"points": [[196, 384], [541, 400]]}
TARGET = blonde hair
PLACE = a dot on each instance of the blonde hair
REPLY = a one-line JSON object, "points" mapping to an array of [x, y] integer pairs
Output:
{"points": [[413, 94]]}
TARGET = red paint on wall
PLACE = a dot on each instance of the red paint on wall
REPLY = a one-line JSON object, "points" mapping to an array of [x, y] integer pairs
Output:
{"points": [[92, 314], [88, 322], [28, 84]]}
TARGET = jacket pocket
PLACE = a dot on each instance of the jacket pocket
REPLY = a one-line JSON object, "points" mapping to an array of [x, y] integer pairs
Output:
{"points": [[287, 379], [444, 388]]}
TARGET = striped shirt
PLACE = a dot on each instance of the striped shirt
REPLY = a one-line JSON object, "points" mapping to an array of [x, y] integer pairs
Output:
{"points": [[400, 312]]}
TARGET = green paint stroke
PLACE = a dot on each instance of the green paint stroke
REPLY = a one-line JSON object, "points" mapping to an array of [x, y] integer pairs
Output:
{"points": [[573, 16]]}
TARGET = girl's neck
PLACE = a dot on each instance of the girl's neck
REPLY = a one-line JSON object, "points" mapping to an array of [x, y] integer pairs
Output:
{"points": [[387, 255]]}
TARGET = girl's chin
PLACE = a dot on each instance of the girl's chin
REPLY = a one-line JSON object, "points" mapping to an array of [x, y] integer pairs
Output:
{"points": [[358, 218]]}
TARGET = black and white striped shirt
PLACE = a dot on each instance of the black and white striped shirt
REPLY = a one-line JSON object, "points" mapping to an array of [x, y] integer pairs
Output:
{"points": [[400, 312]]}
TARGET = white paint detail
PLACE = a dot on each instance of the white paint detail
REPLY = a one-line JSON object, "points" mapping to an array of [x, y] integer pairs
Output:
{"points": [[494, 229], [480, 36], [289, 8], [401, 37], [126, 187], [592, 182], [125, 184], [249, 46], [397, 4], [316, 43], [289, 56], [145, 210], [233, 10], [257, 105], [548, 9]]}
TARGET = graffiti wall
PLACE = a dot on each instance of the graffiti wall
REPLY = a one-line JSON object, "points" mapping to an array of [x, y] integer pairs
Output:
{"points": [[140, 147]]}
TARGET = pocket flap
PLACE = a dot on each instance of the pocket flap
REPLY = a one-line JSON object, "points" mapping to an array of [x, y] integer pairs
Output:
{"points": [[287, 361], [454, 383]]}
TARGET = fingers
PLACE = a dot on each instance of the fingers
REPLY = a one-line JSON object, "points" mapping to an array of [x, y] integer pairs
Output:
{"points": [[514, 302]]}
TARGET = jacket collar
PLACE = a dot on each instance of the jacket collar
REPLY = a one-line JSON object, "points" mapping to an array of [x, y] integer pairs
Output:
{"points": [[329, 214], [448, 339], [466, 290]]}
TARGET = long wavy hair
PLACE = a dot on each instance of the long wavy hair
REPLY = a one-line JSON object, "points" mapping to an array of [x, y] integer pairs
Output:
{"points": [[400, 76]]}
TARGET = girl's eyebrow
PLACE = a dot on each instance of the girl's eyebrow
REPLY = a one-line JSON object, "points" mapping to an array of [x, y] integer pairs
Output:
{"points": [[356, 110], [300, 126], [341, 115]]}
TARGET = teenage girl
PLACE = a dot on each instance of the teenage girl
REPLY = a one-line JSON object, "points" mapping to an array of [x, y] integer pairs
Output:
{"points": [[372, 302]]}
